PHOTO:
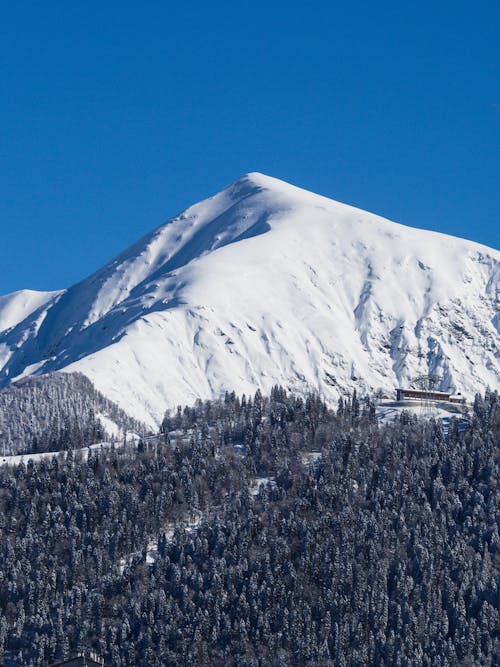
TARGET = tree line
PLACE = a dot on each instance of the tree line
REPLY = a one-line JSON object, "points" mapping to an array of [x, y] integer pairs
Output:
{"points": [[383, 550]]}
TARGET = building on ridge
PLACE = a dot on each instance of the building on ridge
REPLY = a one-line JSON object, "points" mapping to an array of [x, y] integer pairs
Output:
{"points": [[427, 395]]}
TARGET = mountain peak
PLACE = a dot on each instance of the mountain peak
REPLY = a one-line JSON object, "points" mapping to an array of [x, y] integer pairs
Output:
{"points": [[258, 179], [255, 182], [265, 283]]}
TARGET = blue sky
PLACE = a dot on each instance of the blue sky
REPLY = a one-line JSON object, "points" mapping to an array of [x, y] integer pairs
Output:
{"points": [[115, 116]]}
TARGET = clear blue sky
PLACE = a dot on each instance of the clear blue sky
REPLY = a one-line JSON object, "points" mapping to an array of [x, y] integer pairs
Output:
{"points": [[115, 116]]}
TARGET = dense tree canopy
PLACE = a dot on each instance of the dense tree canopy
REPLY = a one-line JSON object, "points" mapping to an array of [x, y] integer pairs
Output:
{"points": [[54, 412], [381, 551]]}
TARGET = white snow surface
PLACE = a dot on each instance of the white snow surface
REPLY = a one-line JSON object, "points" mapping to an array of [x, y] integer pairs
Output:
{"points": [[388, 411], [16, 459], [16, 307], [266, 283]]}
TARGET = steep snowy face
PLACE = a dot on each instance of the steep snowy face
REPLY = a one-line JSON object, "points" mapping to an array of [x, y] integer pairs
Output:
{"points": [[16, 307], [266, 283]]}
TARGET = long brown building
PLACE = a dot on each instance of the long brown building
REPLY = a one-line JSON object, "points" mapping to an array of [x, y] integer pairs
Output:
{"points": [[424, 395]]}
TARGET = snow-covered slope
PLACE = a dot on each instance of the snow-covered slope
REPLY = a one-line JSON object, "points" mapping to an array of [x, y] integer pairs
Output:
{"points": [[266, 283], [16, 307]]}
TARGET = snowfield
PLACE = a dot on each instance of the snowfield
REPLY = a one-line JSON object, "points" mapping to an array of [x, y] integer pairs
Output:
{"points": [[16, 459], [265, 283], [16, 307]]}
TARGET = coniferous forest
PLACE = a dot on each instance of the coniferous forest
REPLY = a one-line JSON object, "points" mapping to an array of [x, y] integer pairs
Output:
{"points": [[262, 531], [57, 411]]}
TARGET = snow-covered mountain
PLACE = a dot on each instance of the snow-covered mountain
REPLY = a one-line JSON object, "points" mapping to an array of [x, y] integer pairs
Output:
{"points": [[266, 283]]}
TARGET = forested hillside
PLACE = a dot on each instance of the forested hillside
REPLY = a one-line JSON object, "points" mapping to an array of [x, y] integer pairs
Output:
{"points": [[382, 551], [56, 411]]}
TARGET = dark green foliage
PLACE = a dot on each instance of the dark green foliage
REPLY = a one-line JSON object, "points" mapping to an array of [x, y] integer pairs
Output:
{"points": [[54, 412], [382, 552]]}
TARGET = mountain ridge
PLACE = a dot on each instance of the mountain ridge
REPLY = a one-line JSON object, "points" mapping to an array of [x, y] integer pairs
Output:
{"points": [[336, 297]]}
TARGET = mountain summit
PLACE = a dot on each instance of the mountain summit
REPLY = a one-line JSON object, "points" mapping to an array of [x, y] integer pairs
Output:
{"points": [[263, 284]]}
